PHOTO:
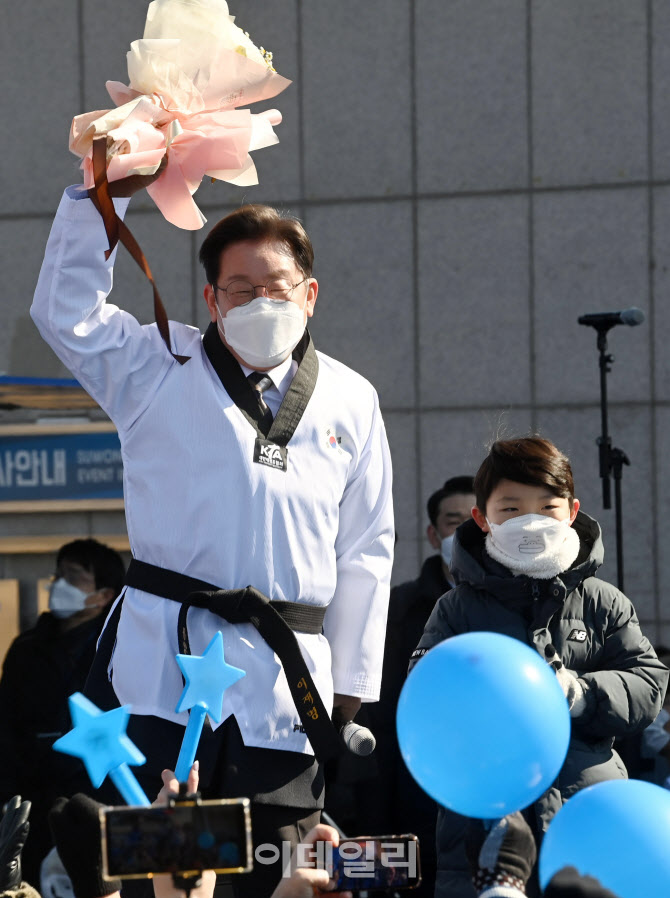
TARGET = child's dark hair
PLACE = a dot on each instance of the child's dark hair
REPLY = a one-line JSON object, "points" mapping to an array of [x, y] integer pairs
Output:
{"points": [[531, 460]]}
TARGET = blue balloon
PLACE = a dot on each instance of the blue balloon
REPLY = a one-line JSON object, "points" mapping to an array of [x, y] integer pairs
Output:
{"points": [[617, 831], [483, 724]]}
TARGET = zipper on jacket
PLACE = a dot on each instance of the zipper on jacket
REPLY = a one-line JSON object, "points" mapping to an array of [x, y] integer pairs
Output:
{"points": [[535, 591]]}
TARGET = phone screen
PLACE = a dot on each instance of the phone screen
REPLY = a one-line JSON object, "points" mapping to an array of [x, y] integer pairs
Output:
{"points": [[189, 837], [376, 862]]}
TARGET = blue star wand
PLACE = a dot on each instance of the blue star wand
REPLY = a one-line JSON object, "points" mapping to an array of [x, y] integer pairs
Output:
{"points": [[207, 678], [99, 739]]}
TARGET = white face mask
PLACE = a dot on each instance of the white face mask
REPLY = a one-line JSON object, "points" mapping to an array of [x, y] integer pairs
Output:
{"points": [[446, 549], [65, 599], [265, 331], [533, 544]]}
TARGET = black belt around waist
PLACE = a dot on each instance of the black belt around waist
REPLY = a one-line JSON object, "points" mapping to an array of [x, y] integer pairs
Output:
{"points": [[275, 621], [177, 587]]}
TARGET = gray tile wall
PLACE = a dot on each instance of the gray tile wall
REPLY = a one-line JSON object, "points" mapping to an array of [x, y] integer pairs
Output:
{"points": [[474, 176]]}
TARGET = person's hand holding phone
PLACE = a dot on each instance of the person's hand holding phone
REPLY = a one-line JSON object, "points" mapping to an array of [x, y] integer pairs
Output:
{"points": [[164, 886], [170, 786], [305, 882]]}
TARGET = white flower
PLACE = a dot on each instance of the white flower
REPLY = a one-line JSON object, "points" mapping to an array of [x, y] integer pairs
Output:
{"points": [[187, 58], [206, 24]]}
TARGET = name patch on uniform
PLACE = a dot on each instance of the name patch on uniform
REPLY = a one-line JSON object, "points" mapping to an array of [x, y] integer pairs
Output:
{"points": [[270, 454], [577, 635]]}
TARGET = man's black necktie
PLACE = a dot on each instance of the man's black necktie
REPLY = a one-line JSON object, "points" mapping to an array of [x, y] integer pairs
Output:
{"points": [[261, 382]]}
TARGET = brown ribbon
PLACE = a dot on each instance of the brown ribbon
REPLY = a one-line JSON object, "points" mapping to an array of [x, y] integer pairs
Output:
{"points": [[117, 231]]}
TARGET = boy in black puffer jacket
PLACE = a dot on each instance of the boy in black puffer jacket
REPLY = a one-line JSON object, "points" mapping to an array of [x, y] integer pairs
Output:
{"points": [[525, 567]]}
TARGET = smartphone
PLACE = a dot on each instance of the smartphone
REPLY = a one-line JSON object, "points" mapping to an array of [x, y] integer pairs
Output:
{"points": [[375, 862], [190, 836]]}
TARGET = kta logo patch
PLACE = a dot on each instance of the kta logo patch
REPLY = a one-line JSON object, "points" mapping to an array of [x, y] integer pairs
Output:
{"points": [[270, 454]]}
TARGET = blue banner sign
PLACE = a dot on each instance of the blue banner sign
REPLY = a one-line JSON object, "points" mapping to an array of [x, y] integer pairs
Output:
{"points": [[61, 466]]}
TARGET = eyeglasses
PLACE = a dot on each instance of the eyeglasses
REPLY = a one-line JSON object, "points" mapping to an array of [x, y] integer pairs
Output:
{"points": [[240, 292]]}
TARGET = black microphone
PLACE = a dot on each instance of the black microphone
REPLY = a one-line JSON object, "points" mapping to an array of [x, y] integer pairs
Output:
{"points": [[358, 739], [605, 320]]}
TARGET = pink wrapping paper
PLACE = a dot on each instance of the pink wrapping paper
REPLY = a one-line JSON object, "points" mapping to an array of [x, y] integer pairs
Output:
{"points": [[188, 77]]}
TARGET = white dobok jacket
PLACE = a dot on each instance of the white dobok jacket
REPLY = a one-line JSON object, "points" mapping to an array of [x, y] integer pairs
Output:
{"points": [[196, 503]]}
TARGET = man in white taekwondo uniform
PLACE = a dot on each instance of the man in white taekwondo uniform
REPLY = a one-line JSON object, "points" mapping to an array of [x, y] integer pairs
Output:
{"points": [[222, 493]]}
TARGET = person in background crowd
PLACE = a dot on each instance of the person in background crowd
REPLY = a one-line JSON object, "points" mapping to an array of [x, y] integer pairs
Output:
{"points": [[42, 668], [447, 509]]}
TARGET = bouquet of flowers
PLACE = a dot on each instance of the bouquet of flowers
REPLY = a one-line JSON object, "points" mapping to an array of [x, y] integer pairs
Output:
{"points": [[188, 75]]}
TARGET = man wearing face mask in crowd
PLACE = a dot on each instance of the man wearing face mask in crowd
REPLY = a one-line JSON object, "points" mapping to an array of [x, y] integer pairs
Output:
{"points": [[250, 460], [43, 667], [447, 509]]}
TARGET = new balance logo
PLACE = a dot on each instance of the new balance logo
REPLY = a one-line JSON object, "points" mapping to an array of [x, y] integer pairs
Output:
{"points": [[577, 636]]}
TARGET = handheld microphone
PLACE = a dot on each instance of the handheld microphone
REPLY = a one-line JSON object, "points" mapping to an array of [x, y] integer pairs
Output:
{"points": [[358, 739], [604, 320]]}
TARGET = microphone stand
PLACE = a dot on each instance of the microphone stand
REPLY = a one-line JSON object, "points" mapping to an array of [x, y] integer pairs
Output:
{"points": [[611, 458]]}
